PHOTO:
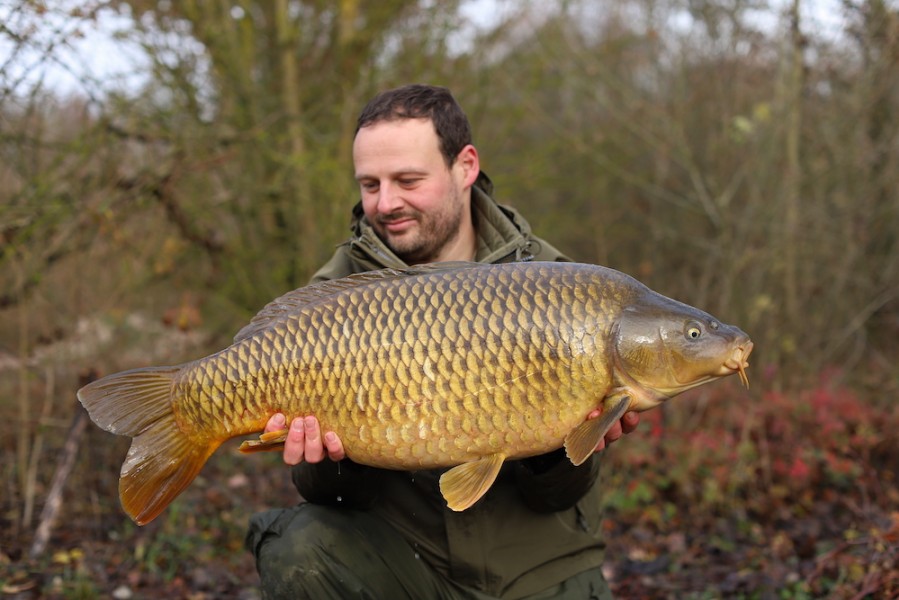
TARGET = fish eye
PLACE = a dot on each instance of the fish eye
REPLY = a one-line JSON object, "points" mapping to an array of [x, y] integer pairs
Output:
{"points": [[693, 331]]}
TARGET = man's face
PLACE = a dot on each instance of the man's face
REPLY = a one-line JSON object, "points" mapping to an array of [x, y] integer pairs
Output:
{"points": [[414, 202]]}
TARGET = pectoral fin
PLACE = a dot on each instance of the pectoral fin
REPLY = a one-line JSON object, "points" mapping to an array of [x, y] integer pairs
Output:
{"points": [[272, 441], [464, 485], [583, 439]]}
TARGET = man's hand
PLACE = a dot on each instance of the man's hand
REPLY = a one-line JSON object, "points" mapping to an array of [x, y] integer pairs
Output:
{"points": [[305, 441], [627, 424]]}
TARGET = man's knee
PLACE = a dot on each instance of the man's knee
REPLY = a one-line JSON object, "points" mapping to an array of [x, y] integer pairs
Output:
{"points": [[321, 552], [295, 547]]}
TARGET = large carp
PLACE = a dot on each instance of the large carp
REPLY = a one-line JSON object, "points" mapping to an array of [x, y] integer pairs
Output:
{"points": [[458, 365]]}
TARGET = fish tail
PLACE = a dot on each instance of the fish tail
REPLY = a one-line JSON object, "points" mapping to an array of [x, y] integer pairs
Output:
{"points": [[163, 459]]}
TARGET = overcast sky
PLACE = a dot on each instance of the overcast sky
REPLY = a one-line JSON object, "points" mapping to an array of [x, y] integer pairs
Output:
{"points": [[100, 58]]}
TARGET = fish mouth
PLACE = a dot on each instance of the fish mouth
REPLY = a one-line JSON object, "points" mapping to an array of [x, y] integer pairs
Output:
{"points": [[738, 362]]}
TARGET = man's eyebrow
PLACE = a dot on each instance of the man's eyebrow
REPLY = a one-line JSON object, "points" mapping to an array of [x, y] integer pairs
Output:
{"points": [[394, 174]]}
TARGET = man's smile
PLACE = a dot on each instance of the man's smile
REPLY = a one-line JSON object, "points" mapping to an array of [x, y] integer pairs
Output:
{"points": [[398, 225]]}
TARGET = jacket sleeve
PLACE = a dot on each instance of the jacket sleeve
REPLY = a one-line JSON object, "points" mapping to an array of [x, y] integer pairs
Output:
{"points": [[343, 483], [550, 483]]}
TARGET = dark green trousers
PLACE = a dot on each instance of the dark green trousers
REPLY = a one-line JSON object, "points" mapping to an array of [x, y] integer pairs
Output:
{"points": [[319, 553]]}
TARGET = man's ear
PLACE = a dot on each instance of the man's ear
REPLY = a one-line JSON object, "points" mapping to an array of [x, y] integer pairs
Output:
{"points": [[468, 164]]}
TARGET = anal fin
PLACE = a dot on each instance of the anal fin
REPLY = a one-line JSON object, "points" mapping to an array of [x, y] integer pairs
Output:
{"points": [[464, 485], [583, 439], [271, 441]]}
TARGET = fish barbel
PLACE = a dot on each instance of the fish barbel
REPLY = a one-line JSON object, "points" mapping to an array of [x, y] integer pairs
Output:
{"points": [[460, 365]]}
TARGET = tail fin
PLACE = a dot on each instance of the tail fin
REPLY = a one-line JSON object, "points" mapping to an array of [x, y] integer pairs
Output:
{"points": [[162, 460]]}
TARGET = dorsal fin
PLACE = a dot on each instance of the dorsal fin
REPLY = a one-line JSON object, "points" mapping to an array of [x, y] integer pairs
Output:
{"points": [[293, 301]]}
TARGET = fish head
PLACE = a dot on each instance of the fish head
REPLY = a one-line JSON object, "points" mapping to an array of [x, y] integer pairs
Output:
{"points": [[665, 347]]}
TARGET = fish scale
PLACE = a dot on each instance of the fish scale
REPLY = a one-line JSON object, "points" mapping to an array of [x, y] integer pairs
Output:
{"points": [[492, 377], [450, 365]]}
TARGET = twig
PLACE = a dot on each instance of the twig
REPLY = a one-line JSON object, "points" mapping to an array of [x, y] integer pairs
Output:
{"points": [[37, 450], [63, 470]]}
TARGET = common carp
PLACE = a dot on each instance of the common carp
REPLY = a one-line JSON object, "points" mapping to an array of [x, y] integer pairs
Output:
{"points": [[460, 365]]}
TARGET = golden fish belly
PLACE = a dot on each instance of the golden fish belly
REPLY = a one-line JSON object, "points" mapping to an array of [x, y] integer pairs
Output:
{"points": [[426, 373]]}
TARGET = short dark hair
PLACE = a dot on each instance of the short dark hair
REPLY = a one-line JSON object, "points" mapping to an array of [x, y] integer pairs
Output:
{"points": [[418, 101]]}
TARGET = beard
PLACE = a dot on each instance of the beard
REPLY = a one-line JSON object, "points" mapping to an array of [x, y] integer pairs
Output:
{"points": [[433, 231]]}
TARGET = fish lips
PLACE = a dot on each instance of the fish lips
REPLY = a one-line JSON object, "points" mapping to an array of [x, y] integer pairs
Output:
{"points": [[738, 362]]}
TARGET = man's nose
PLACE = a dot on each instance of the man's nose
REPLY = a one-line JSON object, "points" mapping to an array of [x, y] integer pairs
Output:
{"points": [[388, 199]]}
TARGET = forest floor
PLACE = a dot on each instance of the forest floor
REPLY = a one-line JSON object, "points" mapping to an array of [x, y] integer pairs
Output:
{"points": [[724, 494]]}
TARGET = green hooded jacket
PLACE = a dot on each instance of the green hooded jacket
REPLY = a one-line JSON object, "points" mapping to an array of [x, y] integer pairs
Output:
{"points": [[540, 522]]}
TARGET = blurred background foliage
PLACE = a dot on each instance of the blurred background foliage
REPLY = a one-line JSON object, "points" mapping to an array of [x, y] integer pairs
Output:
{"points": [[739, 163], [729, 154]]}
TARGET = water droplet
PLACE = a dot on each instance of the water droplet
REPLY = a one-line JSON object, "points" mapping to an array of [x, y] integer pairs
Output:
{"points": [[340, 498]]}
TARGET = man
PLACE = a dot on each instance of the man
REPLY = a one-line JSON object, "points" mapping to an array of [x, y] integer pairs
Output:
{"points": [[373, 533]]}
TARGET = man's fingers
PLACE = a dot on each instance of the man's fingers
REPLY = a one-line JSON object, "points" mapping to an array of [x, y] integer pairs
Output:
{"points": [[295, 444], [305, 441], [626, 424], [275, 423], [629, 421], [315, 451], [613, 433], [334, 446]]}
